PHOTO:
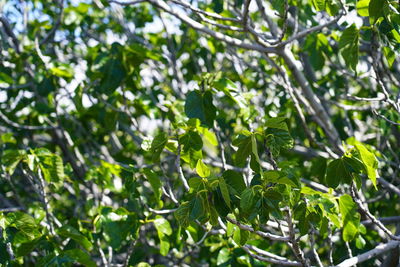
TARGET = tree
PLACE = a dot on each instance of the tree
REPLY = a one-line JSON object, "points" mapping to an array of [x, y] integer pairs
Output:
{"points": [[220, 133]]}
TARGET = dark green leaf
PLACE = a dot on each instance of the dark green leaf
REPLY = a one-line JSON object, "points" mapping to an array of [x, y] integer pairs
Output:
{"points": [[200, 106], [337, 172]]}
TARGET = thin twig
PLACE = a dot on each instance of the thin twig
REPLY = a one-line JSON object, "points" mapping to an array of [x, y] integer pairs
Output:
{"points": [[271, 260], [260, 233]]}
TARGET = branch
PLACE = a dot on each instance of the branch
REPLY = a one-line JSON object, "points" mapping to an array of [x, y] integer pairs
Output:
{"points": [[278, 41], [313, 249], [260, 233], [217, 35], [370, 216], [267, 254], [272, 26], [389, 186], [284, 261], [56, 25], [127, 3], [319, 111], [357, 98], [246, 13], [292, 239], [10, 33], [383, 117], [11, 209], [369, 254], [384, 220], [309, 31], [161, 211], [200, 11], [179, 168], [24, 127]]}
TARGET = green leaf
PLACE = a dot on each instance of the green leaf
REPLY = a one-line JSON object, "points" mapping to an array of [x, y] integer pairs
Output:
{"points": [[164, 245], [337, 172], [24, 223], [218, 6], [52, 168], [191, 157], [113, 73], [27, 247], [225, 192], [223, 257], [309, 191], [79, 256], [375, 10], [369, 160], [162, 225], [154, 181], [318, 168], [235, 181], [163, 229], [5, 78], [254, 149], [208, 136], [61, 71], [52, 259], [117, 225], [182, 214], [200, 106], [157, 146], [195, 183], [348, 44], [214, 216], [196, 208], [390, 55], [244, 150], [277, 123], [240, 236], [70, 232], [360, 242], [279, 6], [247, 200], [363, 7], [47, 86], [350, 217], [191, 140], [7, 138], [202, 170], [230, 89], [11, 158], [319, 4], [278, 139]]}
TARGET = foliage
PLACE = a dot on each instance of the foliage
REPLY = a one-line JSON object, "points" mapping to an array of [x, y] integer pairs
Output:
{"points": [[212, 133]]}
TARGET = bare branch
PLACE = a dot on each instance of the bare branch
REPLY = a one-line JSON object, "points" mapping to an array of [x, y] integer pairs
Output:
{"points": [[179, 169], [378, 250], [389, 186], [283, 261], [245, 12], [126, 3], [200, 11], [384, 220], [11, 34], [24, 127], [217, 35], [260, 233], [309, 31], [292, 237], [370, 216], [57, 24]]}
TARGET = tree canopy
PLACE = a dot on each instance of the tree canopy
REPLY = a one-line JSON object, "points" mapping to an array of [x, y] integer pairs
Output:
{"points": [[201, 133]]}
